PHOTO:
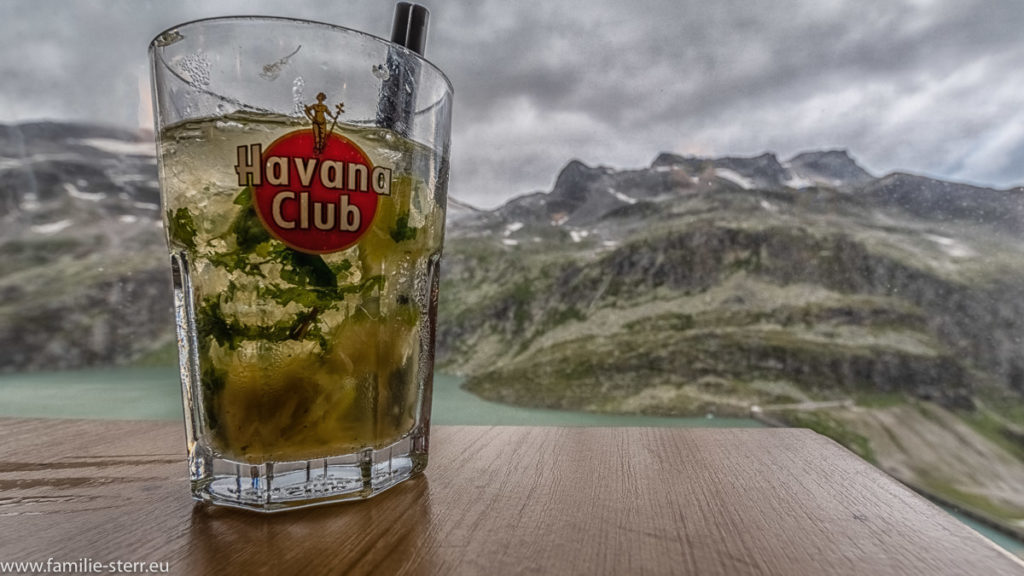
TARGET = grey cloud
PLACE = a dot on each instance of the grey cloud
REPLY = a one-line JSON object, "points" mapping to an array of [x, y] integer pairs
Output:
{"points": [[718, 77], [918, 85], [84, 60]]}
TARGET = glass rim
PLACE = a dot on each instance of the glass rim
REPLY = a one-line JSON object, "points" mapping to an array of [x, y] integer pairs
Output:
{"points": [[153, 47]]}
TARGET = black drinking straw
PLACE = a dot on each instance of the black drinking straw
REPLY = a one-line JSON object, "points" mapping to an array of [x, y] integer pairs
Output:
{"points": [[395, 107], [409, 27]]}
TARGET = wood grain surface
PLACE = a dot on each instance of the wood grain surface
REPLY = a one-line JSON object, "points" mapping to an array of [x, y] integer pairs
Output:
{"points": [[494, 501]]}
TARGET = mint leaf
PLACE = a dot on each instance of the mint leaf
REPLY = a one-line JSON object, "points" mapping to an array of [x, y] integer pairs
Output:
{"points": [[247, 228], [314, 269], [321, 298], [237, 261], [181, 228], [244, 197], [301, 269], [342, 267], [402, 231], [366, 286], [211, 322]]}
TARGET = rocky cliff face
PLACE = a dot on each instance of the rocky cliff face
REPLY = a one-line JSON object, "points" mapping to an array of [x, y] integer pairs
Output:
{"points": [[809, 272], [83, 268]]}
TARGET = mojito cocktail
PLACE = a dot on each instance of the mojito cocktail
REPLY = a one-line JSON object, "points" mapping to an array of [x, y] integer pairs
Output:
{"points": [[305, 249]]}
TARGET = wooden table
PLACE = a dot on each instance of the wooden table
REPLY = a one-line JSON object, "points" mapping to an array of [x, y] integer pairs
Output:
{"points": [[493, 501]]}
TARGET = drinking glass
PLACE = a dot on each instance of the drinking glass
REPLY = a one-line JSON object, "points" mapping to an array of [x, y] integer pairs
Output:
{"points": [[303, 173]]}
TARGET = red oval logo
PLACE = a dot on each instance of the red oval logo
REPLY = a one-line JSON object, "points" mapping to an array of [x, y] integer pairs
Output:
{"points": [[317, 203]]}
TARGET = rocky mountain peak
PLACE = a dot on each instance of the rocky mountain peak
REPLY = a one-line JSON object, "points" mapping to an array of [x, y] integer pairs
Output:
{"points": [[835, 156], [834, 168], [579, 192], [762, 171], [666, 159], [575, 177], [766, 160]]}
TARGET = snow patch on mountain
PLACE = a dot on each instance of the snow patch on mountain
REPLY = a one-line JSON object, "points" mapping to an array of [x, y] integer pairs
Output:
{"points": [[795, 180], [513, 227], [735, 178], [954, 248], [52, 227], [120, 147], [74, 192], [621, 196], [578, 235]]}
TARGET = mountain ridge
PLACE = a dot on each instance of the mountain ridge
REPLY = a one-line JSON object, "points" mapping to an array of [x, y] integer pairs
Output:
{"points": [[886, 312]]}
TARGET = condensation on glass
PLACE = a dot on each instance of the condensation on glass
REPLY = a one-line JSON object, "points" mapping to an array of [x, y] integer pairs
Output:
{"points": [[303, 172]]}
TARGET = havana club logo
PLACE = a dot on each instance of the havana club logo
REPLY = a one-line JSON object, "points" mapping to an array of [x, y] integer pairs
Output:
{"points": [[314, 189]]}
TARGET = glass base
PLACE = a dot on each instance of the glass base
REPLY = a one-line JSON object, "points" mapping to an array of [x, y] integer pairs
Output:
{"points": [[277, 486]]}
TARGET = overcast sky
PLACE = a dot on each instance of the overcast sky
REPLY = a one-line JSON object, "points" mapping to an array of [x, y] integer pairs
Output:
{"points": [[928, 86]]}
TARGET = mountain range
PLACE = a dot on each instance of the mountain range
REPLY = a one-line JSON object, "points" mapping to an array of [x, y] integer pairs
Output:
{"points": [[884, 311], [83, 266], [809, 270]]}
